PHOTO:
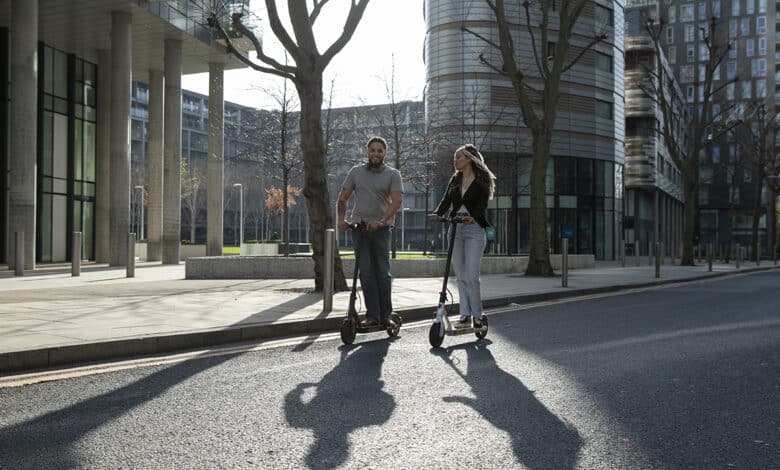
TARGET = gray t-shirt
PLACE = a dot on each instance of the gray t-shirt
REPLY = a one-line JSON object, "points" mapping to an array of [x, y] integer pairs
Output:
{"points": [[372, 191]]}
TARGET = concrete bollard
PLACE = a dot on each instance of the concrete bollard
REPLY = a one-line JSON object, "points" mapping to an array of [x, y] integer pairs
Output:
{"points": [[327, 277], [19, 254], [738, 257], [130, 267], [658, 255], [636, 252], [623, 253], [564, 262], [75, 257]]}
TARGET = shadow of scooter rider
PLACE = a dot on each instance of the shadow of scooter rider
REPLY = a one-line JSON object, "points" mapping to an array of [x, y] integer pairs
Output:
{"points": [[338, 405], [539, 438]]}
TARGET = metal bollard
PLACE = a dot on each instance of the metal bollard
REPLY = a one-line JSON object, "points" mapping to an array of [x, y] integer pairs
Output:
{"points": [[649, 253], [327, 277], [623, 253], [75, 257], [658, 255], [738, 256], [564, 262], [131, 254], [710, 250], [19, 254], [663, 253], [758, 253], [636, 252]]}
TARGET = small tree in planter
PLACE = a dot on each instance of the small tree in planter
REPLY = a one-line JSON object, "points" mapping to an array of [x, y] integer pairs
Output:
{"points": [[276, 202]]}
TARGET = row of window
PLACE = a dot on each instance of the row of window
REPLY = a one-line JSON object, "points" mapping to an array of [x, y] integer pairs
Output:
{"points": [[704, 13], [757, 70], [692, 33]]}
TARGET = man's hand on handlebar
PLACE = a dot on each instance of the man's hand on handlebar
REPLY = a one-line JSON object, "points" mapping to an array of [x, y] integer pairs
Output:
{"points": [[343, 226]]}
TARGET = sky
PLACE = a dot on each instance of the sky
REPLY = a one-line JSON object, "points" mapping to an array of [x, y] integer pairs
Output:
{"points": [[390, 32]]}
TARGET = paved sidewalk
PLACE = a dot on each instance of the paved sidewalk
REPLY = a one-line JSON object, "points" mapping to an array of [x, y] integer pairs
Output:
{"points": [[49, 318]]}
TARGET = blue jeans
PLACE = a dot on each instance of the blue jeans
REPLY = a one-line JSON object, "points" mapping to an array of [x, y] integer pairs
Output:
{"points": [[372, 249], [467, 251]]}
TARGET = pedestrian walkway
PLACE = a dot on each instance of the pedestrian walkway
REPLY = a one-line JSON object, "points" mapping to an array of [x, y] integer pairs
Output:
{"points": [[49, 318]]}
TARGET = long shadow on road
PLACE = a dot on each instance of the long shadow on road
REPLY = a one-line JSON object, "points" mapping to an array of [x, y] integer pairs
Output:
{"points": [[349, 397], [539, 438]]}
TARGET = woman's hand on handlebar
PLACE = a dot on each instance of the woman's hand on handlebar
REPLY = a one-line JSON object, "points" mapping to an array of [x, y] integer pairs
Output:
{"points": [[468, 220], [434, 217]]}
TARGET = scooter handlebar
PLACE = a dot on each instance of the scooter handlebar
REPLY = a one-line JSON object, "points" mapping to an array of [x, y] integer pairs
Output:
{"points": [[453, 219], [358, 226]]}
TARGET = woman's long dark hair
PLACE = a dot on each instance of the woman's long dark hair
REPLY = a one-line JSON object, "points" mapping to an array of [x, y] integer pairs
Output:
{"points": [[482, 174]]}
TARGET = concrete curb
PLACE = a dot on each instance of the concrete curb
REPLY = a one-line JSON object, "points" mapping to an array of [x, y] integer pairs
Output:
{"points": [[28, 360]]}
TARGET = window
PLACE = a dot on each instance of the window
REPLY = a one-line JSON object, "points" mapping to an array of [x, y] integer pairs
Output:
{"points": [[716, 8], [690, 33], [732, 28], [750, 7], [690, 53], [550, 50], [735, 7], [760, 88], [604, 17], [702, 72], [747, 90], [749, 48], [702, 10], [745, 27], [730, 91], [761, 25], [603, 62], [761, 46], [686, 74], [603, 109], [669, 34], [733, 49], [672, 55], [759, 67], [704, 53], [672, 14], [715, 111], [762, 6], [700, 89], [686, 12], [689, 93], [731, 70], [716, 72]]}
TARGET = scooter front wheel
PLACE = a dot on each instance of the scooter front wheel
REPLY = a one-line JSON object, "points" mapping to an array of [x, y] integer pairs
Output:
{"points": [[436, 335], [483, 332], [348, 331]]}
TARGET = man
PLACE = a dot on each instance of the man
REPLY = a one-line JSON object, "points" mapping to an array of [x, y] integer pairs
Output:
{"points": [[378, 193]]}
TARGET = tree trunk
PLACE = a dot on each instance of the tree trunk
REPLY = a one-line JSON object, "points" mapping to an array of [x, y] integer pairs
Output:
{"points": [[315, 188], [689, 222], [539, 256], [757, 209]]}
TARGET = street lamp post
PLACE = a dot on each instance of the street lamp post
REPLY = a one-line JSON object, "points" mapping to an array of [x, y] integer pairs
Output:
{"points": [[240, 213], [773, 180], [403, 226], [141, 220]]}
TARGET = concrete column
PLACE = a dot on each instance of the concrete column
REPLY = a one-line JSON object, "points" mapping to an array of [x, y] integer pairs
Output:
{"points": [[22, 158], [121, 79], [154, 169], [102, 158], [171, 233], [216, 165]]}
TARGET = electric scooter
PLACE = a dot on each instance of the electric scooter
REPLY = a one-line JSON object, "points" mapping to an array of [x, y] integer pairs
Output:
{"points": [[441, 323], [350, 327]]}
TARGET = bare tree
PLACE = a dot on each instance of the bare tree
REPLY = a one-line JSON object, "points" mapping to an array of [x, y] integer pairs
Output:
{"points": [[701, 126], [553, 55], [306, 74], [756, 139], [192, 188]]}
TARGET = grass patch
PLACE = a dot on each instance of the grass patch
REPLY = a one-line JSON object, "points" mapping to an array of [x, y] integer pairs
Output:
{"points": [[351, 255], [231, 250]]}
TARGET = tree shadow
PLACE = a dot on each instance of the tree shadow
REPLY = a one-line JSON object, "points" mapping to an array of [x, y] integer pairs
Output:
{"points": [[349, 397], [49, 440], [539, 438]]}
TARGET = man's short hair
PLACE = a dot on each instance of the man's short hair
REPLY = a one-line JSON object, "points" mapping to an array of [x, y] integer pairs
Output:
{"points": [[376, 138]]}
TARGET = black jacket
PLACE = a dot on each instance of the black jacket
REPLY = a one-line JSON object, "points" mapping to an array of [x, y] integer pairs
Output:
{"points": [[475, 199]]}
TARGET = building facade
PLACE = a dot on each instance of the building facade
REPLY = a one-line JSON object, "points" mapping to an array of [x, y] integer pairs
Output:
{"points": [[469, 102], [66, 70]]}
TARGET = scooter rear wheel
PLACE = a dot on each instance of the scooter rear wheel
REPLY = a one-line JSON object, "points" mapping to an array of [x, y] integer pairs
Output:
{"points": [[348, 331], [482, 333], [393, 332], [436, 335]]}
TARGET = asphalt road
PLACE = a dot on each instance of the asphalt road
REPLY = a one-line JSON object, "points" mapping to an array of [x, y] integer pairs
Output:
{"points": [[676, 377]]}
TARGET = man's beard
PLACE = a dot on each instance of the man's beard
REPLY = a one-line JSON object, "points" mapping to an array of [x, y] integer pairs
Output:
{"points": [[375, 166]]}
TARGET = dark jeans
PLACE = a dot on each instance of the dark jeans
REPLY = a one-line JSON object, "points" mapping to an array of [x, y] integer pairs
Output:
{"points": [[372, 249]]}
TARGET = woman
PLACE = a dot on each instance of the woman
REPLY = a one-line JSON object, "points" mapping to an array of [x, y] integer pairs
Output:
{"points": [[467, 195]]}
